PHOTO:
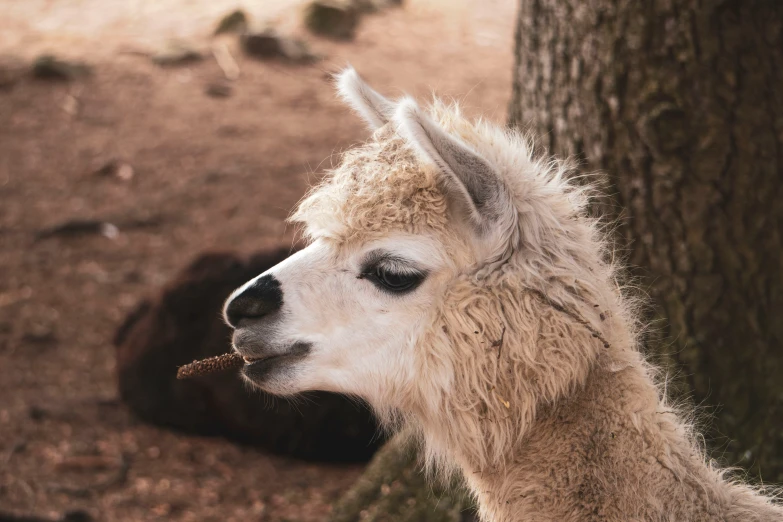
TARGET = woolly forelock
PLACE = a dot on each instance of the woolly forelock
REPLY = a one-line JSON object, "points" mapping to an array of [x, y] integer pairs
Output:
{"points": [[378, 187], [381, 186]]}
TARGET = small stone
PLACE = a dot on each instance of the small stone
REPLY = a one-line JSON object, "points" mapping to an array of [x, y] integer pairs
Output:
{"points": [[110, 231], [332, 19], [125, 172], [218, 90], [70, 104], [177, 53], [268, 43], [117, 169], [234, 22], [48, 67]]}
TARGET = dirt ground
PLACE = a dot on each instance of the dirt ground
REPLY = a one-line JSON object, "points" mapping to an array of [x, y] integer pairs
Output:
{"points": [[205, 173]]}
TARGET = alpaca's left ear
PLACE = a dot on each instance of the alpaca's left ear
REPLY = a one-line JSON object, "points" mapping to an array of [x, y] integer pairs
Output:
{"points": [[468, 176], [371, 106]]}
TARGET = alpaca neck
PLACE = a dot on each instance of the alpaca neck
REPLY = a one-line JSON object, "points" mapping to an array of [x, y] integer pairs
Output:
{"points": [[609, 452], [555, 471], [552, 415]]}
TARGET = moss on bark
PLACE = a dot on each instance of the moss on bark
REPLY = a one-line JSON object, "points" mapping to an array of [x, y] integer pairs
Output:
{"points": [[393, 489]]}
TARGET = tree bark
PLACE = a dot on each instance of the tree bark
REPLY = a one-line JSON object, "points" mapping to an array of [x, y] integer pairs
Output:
{"points": [[680, 103]]}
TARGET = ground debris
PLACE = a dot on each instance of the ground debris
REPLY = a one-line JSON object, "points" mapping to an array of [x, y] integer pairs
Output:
{"points": [[233, 22], [499, 343], [79, 227], [177, 52], [218, 90], [268, 43], [541, 296], [75, 515], [225, 61], [116, 168], [49, 67], [73, 228], [333, 19]]}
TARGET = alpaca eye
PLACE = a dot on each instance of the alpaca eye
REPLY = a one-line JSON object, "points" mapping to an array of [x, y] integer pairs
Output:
{"points": [[397, 282]]}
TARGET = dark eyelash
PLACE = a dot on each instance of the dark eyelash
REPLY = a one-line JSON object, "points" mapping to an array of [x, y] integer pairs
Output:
{"points": [[377, 257], [408, 272], [391, 273]]}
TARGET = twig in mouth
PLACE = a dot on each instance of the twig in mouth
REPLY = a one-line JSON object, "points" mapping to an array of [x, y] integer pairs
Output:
{"points": [[219, 363]]}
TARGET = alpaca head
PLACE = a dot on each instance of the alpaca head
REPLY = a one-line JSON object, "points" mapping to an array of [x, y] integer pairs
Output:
{"points": [[420, 244]]}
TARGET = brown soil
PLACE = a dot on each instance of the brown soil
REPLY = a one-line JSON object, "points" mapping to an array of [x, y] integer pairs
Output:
{"points": [[207, 173]]}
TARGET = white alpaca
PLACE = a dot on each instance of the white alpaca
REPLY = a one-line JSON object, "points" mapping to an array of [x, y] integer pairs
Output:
{"points": [[457, 285]]}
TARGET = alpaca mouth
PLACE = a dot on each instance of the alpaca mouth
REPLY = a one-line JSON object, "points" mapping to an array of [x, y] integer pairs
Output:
{"points": [[257, 360], [259, 367]]}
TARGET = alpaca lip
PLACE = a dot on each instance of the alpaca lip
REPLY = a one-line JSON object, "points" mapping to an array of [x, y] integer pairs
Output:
{"points": [[250, 359], [254, 360], [269, 358], [261, 369]]}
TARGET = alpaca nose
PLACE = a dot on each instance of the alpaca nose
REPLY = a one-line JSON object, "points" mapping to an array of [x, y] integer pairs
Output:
{"points": [[261, 298]]}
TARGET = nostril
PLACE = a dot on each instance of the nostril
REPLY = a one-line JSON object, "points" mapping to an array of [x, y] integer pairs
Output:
{"points": [[261, 298], [244, 308]]}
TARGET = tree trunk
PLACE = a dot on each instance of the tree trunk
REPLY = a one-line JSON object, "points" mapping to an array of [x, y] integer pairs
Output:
{"points": [[680, 103]]}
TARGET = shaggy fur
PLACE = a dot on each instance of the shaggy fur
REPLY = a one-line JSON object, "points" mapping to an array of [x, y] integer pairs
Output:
{"points": [[526, 374]]}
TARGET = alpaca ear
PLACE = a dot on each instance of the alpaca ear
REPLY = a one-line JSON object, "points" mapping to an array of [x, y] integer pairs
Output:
{"points": [[467, 175], [371, 106]]}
